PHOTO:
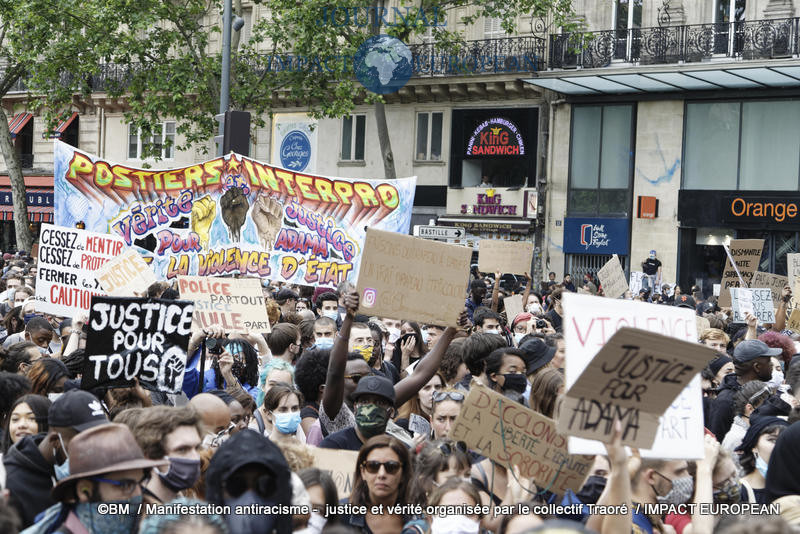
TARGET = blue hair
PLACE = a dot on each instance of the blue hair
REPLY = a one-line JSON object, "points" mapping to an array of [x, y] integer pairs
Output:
{"points": [[271, 365]]}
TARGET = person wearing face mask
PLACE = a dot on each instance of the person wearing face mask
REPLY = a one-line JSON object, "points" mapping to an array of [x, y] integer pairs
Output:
{"points": [[590, 491], [37, 330], [328, 306], [754, 454], [108, 469], [486, 321], [519, 327], [454, 492], [48, 376], [663, 482], [236, 366], [323, 495], [505, 369], [751, 361], [249, 469], [35, 461], [324, 332], [378, 360], [171, 434], [282, 406]]}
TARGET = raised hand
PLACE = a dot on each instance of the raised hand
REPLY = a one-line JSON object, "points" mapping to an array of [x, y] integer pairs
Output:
{"points": [[267, 214], [204, 211]]}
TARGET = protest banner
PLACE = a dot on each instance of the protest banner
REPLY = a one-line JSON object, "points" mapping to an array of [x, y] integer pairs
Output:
{"points": [[634, 378], [612, 278], [635, 283], [793, 323], [747, 254], [513, 306], [757, 301], [793, 268], [126, 276], [232, 303], [775, 282], [511, 434], [505, 256], [403, 276], [68, 258], [137, 338], [245, 217], [339, 464], [589, 322]]}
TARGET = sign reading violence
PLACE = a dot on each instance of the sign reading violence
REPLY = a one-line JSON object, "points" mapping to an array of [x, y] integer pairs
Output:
{"points": [[511, 434], [126, 276], [634, 378], [505, 256], [746, 253], [68, 258], [589, 322], [137, 338], [234, 215], [404, 276], [232, 303]]}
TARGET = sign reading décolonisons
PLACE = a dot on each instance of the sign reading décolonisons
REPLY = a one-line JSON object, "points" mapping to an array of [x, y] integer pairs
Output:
{"points": [[232, 215]]}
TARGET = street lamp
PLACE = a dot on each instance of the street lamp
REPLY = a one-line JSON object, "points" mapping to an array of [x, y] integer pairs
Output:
{"points": [[228, 23]]}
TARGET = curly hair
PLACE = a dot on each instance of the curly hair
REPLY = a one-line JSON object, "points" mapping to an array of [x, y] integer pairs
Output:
{"points": [[311, 371], [779, 341], [154, 424], [298, 455], [250, 373]]}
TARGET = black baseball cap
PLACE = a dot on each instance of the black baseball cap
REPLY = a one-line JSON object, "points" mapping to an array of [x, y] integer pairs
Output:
{"points": [[286, 294], [685, 301], [375, 385], [76, 409], [750, 349]]}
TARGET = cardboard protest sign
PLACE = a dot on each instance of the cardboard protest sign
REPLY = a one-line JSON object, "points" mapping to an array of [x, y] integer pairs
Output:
{"points": [[612, 278], [793, 323], [589, 322], [793, 268], [635, 377], [757, 301], [68, 258], [232, 303], [513, 306], [775, 282], [245, 216], [137, 338], [404, 276], [340, 465], [505, 256], [635, 283], [747, 254], [419, 425], [126, 276], [511, 434]]}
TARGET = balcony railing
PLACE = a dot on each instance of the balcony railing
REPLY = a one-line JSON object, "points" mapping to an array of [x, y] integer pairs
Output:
{"points": [[486, 56], [760, 39]]}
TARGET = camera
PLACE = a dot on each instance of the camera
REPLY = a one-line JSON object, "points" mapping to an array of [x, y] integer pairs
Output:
{"points": [[540, 324], [214, 346]]}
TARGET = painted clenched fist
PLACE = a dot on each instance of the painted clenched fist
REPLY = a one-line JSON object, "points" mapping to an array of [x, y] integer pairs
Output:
{"points": [[234, 206], [204, 210], [268, 216]]}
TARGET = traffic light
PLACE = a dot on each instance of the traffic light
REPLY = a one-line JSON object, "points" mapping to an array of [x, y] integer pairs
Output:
{"points": [[236, 136]]}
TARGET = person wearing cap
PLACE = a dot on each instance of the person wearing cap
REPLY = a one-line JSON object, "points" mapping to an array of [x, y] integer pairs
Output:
{"points": [[34, 461], [107, 467], [373, 402], [519, 326], [754, 453], [537, 355], [287, 300], [751, 361], [652, 271]]}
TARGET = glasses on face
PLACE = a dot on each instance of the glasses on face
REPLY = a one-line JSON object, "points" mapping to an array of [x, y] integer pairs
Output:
{"points": [[439, 396], [448, 449], [213, 441], [355, 378], [373, 466], [126, 485]]}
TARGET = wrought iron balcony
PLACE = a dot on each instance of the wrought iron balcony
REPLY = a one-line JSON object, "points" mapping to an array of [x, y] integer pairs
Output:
{"points": [[760, 39], [485, 56]]}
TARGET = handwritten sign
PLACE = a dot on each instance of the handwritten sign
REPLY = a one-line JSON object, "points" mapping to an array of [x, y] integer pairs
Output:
{"points": [[634, 377], [775, 282], [793, 268], [612, 278], [511, 434], [232, 303], [126, 276], [589, 322], [340, 465], [747, 254], [419, 425], [513, 306], [793, 323], [635, 283], [404, 276], [504, 256], [68, 258], [757, 301], [137, 338]]}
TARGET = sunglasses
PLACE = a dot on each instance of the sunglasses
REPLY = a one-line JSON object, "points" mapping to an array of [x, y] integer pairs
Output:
{"points": [[355, 378], [439, 396], [448, 449], [372, 467]]}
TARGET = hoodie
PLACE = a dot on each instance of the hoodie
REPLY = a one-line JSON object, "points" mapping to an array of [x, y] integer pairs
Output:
{"points": [[722, 409], [29, 478]]}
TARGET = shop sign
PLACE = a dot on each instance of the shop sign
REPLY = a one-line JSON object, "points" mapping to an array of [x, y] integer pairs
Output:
{"points": [[762, 209], [489, 204], [32, 198], [596, 236], [496, 137]]}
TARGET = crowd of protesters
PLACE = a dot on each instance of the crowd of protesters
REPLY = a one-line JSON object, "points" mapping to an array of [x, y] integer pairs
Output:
{"points": [[235, 452]]}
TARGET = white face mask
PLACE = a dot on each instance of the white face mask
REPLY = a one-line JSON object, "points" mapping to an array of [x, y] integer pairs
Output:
{"points": [[331, 314], [394, 334], [776, 380], [518, 337], [492, 331], [454, 524]]}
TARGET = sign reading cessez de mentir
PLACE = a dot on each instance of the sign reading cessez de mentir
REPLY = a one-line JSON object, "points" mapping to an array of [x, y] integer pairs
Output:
{"points": [[737, 208]]}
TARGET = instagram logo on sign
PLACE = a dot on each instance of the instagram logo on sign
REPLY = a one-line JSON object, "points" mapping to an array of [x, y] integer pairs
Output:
{"points": [[368, 298]]}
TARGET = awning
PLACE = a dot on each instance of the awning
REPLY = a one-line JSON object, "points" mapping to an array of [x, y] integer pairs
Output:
{"points": [[660, 81], [18, 122], [44, 215], [56, 134], [494, 224], [39, 200]]}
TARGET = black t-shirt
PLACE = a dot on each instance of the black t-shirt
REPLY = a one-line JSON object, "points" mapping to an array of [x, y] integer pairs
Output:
{"points": [[650, 266], [554, 319], [346, 439], [310, 410]]}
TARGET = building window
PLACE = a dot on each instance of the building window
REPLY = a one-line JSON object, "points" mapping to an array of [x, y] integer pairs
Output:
{"points": [[601, 160], [353, 137], [493, 28], [735, 145], [163, 140], [429, 136]]}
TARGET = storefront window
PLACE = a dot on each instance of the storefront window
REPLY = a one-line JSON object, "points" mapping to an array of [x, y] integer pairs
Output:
{"points": [[601, 160]]}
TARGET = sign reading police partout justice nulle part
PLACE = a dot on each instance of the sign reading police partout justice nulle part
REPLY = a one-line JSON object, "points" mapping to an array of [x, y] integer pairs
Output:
{"points": [[137, 338]]}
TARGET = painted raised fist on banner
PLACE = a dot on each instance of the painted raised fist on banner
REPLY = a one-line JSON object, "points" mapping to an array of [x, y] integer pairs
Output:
{"points": [[267, 214], [204, 210], [234, 206]]}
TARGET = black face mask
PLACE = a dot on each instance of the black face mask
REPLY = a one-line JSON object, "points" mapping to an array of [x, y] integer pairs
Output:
{"points": [[590, 492], [515, 382]]}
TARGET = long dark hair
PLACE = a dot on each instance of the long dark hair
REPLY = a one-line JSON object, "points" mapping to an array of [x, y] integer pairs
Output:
{"points": [[13, 321], [39, 405], [250, 365], [360, 494], [315, 477]]}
